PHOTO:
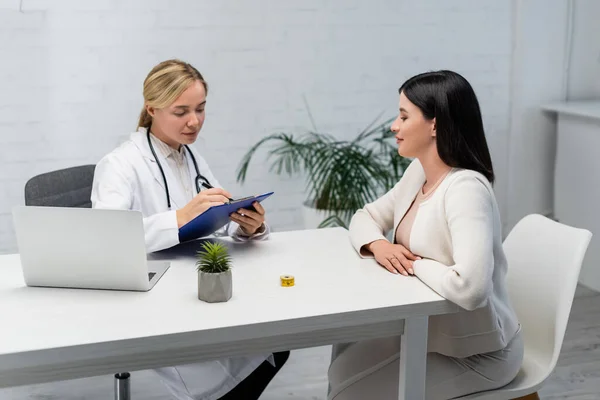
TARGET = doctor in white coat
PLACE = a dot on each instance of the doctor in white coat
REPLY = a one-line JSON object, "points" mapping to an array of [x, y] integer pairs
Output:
{"points": [[157, 173]]}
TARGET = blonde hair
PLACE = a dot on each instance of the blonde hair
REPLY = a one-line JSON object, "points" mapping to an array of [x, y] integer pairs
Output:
{"points": [[164, 84]]}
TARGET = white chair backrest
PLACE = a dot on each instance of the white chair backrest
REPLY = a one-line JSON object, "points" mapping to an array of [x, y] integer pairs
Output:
{"points": [[544, 260]]}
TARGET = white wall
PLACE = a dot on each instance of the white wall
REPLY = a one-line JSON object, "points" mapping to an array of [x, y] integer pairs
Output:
{"points": [[556, 58], [72, 71], [584, 66], [538, 77]]}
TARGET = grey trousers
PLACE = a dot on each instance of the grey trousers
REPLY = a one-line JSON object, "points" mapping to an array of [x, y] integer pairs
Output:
{"points": [[370, 370]]}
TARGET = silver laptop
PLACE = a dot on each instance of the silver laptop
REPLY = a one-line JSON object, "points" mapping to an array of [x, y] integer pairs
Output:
{"points": [[84, 248]]}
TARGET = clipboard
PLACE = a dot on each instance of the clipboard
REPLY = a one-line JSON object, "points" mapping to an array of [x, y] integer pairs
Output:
{"points": [[216, 217]]}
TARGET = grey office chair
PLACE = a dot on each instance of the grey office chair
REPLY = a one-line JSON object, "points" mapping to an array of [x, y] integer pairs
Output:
{"points": [[70, 187]]}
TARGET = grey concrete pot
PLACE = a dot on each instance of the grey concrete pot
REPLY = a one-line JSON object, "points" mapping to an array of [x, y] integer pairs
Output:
{"points": [[215, 288]]}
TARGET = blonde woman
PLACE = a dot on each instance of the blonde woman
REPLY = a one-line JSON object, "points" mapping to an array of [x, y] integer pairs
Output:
{"points": [[157, 173], [447, 233]]}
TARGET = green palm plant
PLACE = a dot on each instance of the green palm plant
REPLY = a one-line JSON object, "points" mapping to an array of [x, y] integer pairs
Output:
{"points": [[342, 175], [214, 258]]}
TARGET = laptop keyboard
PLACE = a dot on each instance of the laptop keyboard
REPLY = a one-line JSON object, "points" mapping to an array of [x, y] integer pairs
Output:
{"points": [[151, 275]]}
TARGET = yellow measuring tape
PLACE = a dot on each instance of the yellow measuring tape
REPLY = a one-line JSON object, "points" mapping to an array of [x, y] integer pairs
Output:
{"points": [[287, 280]]}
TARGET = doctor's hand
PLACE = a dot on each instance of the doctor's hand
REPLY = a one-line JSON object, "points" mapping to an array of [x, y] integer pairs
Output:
{"points": [[394, 257], [250, 221], [200, 203]]}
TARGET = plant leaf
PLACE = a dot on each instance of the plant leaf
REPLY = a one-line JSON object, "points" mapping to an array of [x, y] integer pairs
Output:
{"points": [[333, 220], [341, 175], [213, 258]]}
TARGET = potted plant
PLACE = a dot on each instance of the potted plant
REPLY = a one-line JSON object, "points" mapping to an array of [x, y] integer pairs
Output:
{"points": [[214, 273], [341, 175]]}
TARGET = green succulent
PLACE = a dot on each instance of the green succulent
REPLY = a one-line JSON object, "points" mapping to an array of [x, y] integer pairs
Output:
{"points": [[214, 258]]}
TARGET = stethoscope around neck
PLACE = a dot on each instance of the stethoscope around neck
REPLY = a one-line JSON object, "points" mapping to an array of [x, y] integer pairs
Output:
{"points": [[200, 179]]}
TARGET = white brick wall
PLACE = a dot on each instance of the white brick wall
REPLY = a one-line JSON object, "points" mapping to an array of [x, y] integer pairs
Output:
{"points": [[72, 70]]}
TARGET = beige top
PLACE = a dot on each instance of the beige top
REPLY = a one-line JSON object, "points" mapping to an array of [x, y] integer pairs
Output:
{"points": [[177, 160], [405, 225]]}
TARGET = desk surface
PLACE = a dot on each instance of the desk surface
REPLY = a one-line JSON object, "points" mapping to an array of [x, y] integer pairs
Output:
{"points": [[589, 109], [333, 286]]}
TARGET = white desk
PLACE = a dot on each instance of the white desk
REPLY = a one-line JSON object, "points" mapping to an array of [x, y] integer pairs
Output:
{"points": [[57, 334], [576, 192]]}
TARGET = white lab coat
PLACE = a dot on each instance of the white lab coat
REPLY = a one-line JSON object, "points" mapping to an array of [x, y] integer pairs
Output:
{"points": [[129, 178]]}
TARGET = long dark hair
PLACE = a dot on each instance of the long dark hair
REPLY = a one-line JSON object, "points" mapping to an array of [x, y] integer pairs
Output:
{"points": [[450, 99]]}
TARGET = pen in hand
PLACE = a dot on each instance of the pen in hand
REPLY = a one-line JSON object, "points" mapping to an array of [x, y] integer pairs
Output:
{"points": [[208, 186]]}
